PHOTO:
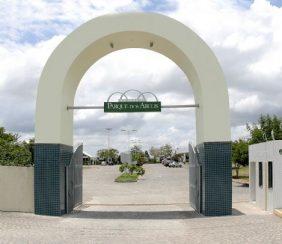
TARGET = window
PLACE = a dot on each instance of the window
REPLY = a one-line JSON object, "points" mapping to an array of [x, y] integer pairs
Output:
{"points": [[260, 174], [270, 175]]}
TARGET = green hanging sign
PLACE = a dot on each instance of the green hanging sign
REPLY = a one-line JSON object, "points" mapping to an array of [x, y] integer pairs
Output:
{"points": [[132, 107]]}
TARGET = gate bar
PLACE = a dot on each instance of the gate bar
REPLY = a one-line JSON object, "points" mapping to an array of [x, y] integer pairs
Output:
{"points": [[163, 106], [181, 106]]}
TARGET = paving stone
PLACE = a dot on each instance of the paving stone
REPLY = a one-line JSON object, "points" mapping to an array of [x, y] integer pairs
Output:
{"points": [[153, 210]]}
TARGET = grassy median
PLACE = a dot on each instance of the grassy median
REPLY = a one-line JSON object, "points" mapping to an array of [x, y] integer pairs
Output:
{"points": [[126, 177]]}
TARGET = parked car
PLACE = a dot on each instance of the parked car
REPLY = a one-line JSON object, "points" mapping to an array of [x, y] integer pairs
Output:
{"points": [[175, 164], [166, 162], [110, 161]]}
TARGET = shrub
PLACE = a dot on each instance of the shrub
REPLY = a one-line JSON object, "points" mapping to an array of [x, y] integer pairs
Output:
{"points": [[131, 169], [13, 152]]}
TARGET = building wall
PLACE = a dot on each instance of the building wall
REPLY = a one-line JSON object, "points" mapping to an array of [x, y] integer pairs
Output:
{"points": [[266, 198], [252, 179], [277, 174], [125, 157], [16, 189]]}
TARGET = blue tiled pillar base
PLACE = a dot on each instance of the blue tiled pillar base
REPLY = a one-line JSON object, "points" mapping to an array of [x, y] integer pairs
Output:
{"points": [[215, 158], [49, 178]]}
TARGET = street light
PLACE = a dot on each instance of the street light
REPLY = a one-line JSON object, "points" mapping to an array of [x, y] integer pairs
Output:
{"points": [[137, 142], [128, 135], [109, 135]]}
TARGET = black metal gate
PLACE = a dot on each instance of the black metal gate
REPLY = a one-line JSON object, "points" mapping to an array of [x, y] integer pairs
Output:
{"points": [[195, 179], [74, 180]]}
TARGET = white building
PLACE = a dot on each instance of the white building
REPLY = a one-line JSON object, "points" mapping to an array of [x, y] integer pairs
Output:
{"points": [[125, 157], [87, 158], [265, 168]]}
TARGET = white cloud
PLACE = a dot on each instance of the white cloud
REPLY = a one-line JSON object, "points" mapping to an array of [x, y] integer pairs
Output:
{"points": [[247, 42], [243, 43], [244, 102], [239, 132]]}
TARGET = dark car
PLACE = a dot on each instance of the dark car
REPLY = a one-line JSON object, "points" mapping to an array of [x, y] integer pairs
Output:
{"points": [[174, 164], [166, 162]]}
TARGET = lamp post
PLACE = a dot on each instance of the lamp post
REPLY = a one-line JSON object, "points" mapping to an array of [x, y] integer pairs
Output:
{"points": [[137, 142], [128, 135], [109, 135]]}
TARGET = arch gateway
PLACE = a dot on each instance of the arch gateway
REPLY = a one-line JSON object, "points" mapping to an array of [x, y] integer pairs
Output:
{"points": [[99, 37]]}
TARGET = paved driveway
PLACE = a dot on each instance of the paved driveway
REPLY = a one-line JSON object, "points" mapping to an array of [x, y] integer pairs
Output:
{"points": [[154, 210], [160, 185]]}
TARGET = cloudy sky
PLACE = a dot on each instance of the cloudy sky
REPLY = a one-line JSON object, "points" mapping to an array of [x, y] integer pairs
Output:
{"points": [[245, 35]]}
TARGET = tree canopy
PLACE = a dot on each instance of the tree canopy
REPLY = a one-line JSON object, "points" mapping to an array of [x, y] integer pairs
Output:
{"points": [[155, 152], [240, 154], [137, 154], [267, 128], [166, 150], [12, 151], [108, 153]]}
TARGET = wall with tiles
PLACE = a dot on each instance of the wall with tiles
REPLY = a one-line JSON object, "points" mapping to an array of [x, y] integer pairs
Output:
{"points": [[50, 178], [215, 158]]}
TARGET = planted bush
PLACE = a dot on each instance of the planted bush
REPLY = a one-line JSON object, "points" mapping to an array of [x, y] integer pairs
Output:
{"points": [[130, 173], [131, 169]]}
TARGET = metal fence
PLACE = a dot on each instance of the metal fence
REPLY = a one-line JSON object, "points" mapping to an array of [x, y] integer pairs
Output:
{"points": [[195, 179], [74, 180]]}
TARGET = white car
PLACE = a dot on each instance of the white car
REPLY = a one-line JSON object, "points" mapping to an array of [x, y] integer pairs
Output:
{"points": [[175, 164], [103, 163]]}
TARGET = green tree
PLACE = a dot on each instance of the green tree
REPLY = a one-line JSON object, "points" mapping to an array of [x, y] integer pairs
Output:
{"points": [[166, 150], [30, 147], [108, 153], [12, 151], [155, 152], [265, 129], [240, 155], [147, 156], [178, 156], [137, 154]]}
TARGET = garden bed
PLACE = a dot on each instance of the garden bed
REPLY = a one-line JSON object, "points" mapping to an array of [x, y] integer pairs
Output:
{"points": [[126, 177]]}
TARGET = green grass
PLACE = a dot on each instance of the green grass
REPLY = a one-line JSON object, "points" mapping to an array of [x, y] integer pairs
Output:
{"points": [[243, 173], [125, 177]]}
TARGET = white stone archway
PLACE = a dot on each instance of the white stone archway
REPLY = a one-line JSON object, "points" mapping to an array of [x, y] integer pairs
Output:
{"points": [[103, 35]]}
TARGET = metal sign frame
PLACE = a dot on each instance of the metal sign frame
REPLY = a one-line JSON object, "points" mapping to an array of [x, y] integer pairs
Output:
{"points": [[127, 105]]}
